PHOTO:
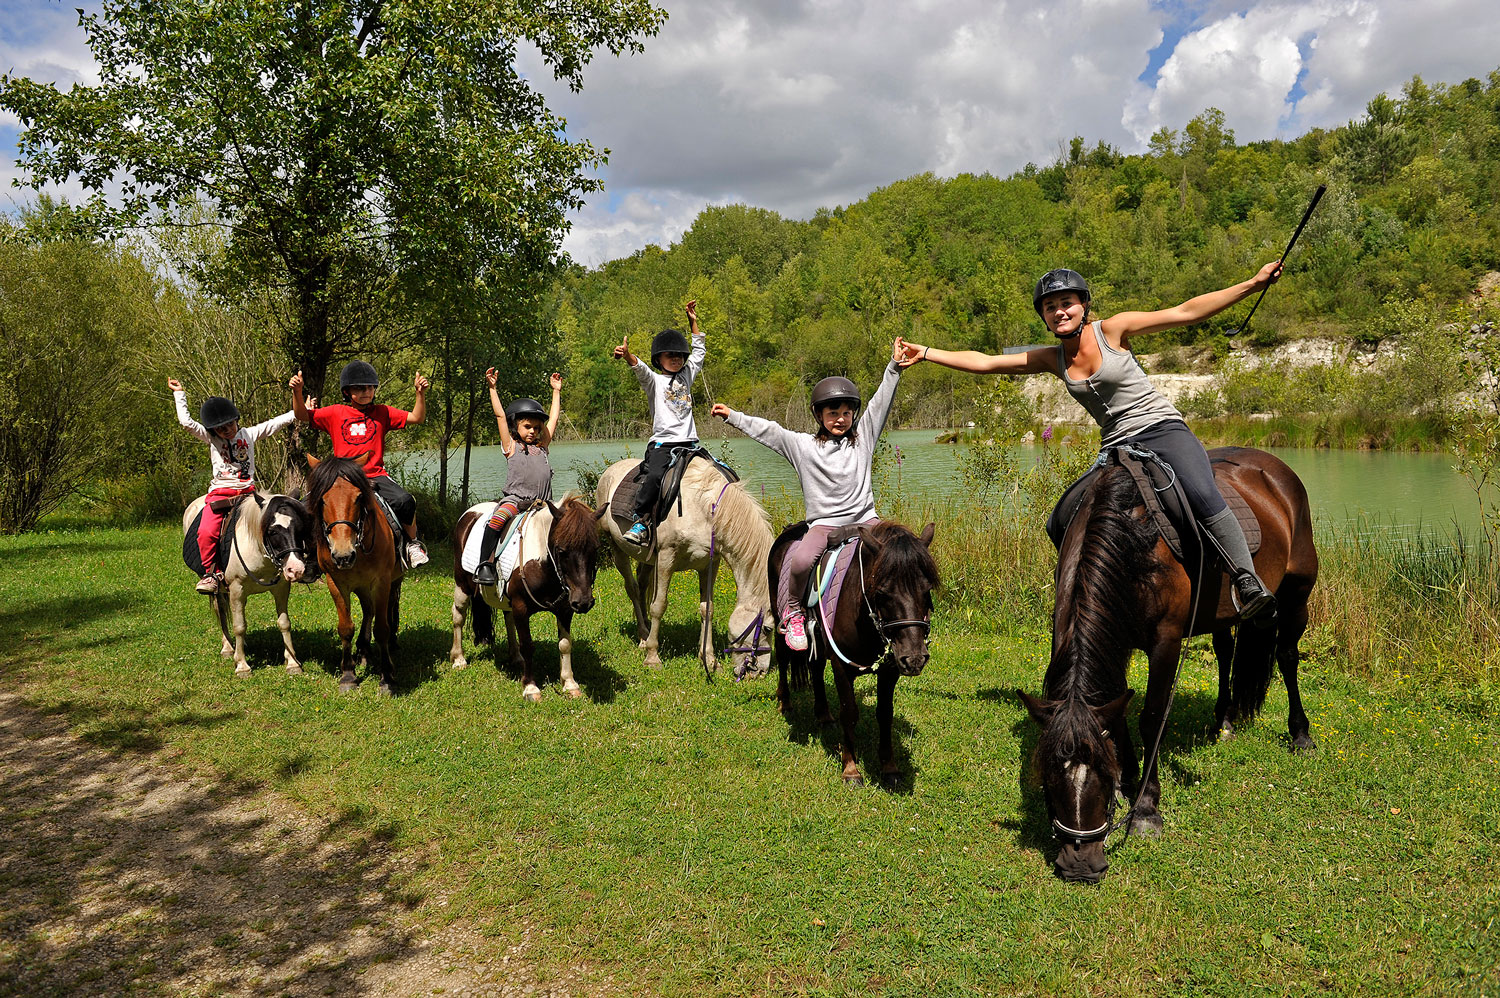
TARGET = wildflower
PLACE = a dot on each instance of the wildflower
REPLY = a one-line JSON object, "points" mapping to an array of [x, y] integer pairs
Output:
{"points": [[1047, 433]]}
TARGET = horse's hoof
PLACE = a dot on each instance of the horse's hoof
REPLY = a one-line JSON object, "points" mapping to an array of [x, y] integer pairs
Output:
{"points": [[460, 663], [385, 689], [1146, 825], [241, 671], [654, 664], [1226, 731], [533, 694], [574, 692], [1303, 744], [854, 781], [348, 685], [890, 781], [294, 669]]}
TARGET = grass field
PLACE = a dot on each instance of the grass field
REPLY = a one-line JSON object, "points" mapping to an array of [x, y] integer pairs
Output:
{"points": [[672, 836]]}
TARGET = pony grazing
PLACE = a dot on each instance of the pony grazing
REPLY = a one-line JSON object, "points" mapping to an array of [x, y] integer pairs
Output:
{"points": [[554, 571], [1119, 587], [880, 623], [267, 551], [718, 519], [357, 552]]}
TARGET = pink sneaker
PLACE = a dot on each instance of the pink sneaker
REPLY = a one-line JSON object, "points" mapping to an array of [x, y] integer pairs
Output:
{"points": [[796, 632]]}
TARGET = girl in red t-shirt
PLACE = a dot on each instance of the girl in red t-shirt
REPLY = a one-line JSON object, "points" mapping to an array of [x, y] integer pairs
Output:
{"points": [[358, 427]]}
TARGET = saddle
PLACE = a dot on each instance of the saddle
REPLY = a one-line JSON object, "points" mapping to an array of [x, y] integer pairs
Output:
{"points": [[190, 554], [1166, 502], [398, 536], [623, 500], [825, 584]]}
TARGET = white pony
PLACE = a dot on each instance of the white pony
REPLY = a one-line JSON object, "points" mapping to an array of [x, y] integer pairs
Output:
{"points": [[269, 550], [718, 519]]}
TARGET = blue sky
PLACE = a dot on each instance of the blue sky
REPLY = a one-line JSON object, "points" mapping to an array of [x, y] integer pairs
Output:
{"points": [[796, 104]]}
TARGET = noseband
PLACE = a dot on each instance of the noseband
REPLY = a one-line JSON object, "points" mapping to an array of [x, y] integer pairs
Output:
{"points": [[358, 527]]}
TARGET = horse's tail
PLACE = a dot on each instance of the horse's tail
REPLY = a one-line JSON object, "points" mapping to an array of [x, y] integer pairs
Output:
{"points": [[1251, 669], [484, 620]]}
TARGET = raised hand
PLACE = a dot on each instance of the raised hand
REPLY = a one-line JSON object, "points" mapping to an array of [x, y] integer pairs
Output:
{"points": [[1269, 274], [721, 410], [622, 352], [491, 376], [692, 310], [421, 383], [555, 381], [174, 384], [296, 383], [311, 403]]}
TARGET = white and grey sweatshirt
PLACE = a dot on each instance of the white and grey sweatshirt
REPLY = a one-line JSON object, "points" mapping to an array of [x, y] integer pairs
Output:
{"points": [[669, 397], [233, 460], [834, 474]]}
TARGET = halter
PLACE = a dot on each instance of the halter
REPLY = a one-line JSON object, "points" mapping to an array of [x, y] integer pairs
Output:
{"points": [[556, 571], [882, 627], [358, 528], [738, 644], [279, 561]]}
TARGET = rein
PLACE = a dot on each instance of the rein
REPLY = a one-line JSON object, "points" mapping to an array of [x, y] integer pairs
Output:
{"points": [[556, 571], [882, 627], [737, 643]]}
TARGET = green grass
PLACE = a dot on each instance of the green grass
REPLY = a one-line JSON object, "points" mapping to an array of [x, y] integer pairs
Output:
{"points": [[679, 837]]}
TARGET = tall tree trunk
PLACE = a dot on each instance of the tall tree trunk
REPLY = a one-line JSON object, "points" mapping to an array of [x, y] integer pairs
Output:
{"points": [[447, 415], [468, 445]]}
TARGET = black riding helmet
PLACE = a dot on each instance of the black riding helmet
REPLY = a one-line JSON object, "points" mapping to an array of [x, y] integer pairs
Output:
{"points": [[216, 412], [1054, 281], [358, 372], [835, 389], [524, 407], [667, 341]]}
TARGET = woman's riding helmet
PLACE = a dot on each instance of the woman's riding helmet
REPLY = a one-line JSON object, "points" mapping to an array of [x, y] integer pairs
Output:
{"points": [[1054, 281], [216, 412], [667, 341], [358, 372], [835, 389], [524, 407]]}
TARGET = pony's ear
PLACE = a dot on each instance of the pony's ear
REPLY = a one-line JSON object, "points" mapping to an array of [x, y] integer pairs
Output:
{"points": [[927, 534], [1114, 710], [364, 457], [312, 460], [552, 508], [1040, 710], [867, 534], [599, 513]]}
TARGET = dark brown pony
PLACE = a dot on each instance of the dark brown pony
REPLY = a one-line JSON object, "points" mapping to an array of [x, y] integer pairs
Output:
{"points": [[881, 623], [1120, 588], [554, 572], [357, 553]]}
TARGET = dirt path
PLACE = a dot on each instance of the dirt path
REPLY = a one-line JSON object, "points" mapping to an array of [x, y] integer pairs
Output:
{"points": [[122, 874]]}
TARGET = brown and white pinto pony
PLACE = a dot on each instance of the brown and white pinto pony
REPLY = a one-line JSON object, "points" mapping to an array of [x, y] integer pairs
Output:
{"points": [[357, 553], [272, 537], [881, 623], [554, 572]]}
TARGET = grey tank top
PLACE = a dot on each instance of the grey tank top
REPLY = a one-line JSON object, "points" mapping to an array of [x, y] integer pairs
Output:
{"points": [[1119, 395], [528, 474]]}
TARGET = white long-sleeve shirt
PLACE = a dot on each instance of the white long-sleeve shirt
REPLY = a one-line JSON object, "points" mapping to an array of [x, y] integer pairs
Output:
{"points": [[669, 397], [233, 459], [834, 474]]}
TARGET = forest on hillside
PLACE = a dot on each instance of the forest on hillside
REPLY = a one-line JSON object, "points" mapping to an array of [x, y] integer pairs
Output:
{"points": [[95, 324], [1410, 221]]}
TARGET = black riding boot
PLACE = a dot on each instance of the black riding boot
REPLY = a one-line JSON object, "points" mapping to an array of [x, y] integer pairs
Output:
{"points": [[1250, 594], [486, 574]]}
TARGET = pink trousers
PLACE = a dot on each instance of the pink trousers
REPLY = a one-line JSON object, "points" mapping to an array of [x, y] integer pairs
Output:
{"points": [[208, 530]]}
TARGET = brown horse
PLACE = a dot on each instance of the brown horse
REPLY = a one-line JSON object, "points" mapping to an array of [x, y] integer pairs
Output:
{"points": [[554, 572], [881, 623], [1119, 588], [357, 553]]}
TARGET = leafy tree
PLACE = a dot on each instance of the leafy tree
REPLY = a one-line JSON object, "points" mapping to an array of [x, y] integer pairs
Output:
{"points": [[357, 153]]}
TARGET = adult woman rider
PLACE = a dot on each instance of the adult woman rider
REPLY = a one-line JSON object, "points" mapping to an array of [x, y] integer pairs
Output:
{"points": [[1094, 361]]}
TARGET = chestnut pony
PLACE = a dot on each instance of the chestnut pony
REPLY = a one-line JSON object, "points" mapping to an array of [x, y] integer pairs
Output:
{"points": [[1119, 588], [881, 623], [357, 553], [555, 571]]}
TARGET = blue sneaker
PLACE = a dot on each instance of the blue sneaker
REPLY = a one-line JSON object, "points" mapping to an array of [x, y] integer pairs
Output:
{"points": [[637, 533]]}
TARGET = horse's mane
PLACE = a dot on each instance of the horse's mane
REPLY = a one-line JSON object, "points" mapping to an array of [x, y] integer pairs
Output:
{"points": [[903, 557], [1114, 564], [1074, 736], [328, 472], [575, 525], [740, 523]]}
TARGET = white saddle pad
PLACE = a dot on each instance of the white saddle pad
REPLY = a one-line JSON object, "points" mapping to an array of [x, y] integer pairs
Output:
{"points": [[506, 562]]}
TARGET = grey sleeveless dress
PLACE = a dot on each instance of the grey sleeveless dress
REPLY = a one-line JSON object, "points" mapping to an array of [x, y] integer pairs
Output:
{"points": [[528, 475]]}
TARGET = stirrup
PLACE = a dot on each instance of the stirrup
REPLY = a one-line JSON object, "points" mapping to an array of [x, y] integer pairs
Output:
{"points": [[1256, 604], [416, 553], [487, 574]]}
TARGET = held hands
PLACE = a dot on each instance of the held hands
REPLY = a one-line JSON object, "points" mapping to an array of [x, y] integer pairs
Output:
{"points": [[555, 382], [174, 384], [906, 354], [721, 410]]}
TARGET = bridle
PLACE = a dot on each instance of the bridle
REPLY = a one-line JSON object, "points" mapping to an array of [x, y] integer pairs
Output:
{"points": [[357, 526], [885, 627], [748, 641], [562, 583]]}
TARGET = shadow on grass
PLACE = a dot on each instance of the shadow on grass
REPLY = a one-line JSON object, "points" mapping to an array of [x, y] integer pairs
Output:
{"points": [[1189, 728], [600, 682], [131, 877], [803, 727]]}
